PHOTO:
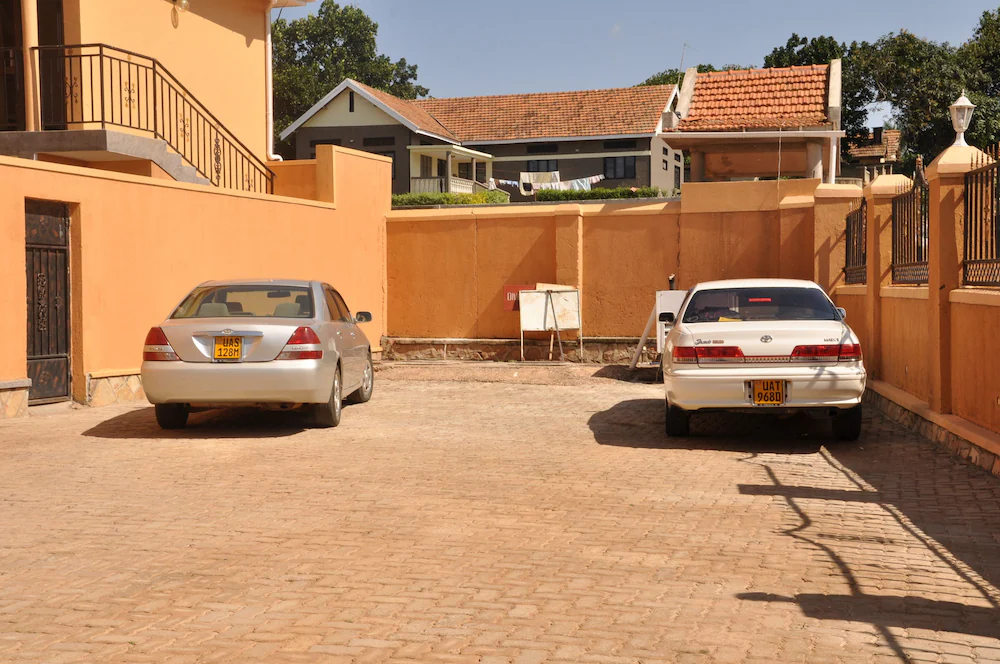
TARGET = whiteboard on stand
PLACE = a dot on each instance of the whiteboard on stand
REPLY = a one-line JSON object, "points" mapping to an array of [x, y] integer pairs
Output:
{"points": [[549, 310]]}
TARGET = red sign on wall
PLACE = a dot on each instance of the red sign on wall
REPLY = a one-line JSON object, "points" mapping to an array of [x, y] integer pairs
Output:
{"points": [[510, 299]]}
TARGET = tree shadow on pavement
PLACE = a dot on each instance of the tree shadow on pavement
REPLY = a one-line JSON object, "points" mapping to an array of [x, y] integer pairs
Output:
{"points": [[626, 375], [639, 423], [216, 423]]}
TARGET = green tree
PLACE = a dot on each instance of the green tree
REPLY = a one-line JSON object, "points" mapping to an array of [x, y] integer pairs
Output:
{"points": [[312, 55], [676, 76]]}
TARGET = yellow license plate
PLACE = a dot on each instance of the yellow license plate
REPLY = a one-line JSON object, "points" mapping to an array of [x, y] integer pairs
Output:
{"points": [[229, 349], [768, 392]]}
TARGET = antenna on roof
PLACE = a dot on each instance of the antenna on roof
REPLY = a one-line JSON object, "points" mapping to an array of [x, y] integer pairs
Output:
{"points": [[680, 71]]}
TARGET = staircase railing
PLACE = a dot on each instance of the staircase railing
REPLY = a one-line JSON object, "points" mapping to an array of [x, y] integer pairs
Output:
{"points": [[96, 85]]}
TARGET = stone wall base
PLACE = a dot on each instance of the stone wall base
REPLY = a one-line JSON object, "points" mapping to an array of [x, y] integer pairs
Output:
{"points": [[959, 446], [598, 350], [14, 398], [105, 390]]}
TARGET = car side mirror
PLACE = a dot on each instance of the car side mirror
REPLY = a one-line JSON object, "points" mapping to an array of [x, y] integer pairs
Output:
{"points": [[667, 317], [363, 317], [843, 312]]}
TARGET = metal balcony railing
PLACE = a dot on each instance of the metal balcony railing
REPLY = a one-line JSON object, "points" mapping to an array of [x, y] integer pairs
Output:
{"points": [[11, 92], [96, 85], [856, 252], [982, 222]]}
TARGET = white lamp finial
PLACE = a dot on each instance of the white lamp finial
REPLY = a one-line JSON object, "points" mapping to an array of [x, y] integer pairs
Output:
{"points": [[961, 117]]}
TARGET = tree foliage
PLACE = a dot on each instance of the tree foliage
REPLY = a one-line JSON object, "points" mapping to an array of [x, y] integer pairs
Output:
{"points": [[676, 76], [312, 55]]}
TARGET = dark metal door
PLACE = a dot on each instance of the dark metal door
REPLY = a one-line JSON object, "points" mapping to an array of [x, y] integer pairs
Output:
{"points": [[47, 262]]}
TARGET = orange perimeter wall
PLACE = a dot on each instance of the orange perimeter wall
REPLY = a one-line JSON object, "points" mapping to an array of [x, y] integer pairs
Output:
{"points": [[905, 360], [447, 268], [138, 245], [976, 364]]}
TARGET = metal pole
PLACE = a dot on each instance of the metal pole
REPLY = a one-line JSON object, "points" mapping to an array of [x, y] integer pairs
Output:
{"points": [[645, 336]]}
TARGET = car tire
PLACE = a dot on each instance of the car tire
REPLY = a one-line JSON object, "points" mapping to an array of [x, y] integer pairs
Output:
{"points": [[364, 393], [847, 424], [171, 415], [328, 414], [678, 422]]}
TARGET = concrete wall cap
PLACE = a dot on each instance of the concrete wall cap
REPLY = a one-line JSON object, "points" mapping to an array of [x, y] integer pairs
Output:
{"points": [[854, 290], [888, 185], [846, 191], [904, 292], [978, 296], [957, 160], [16, 384], [791, 202]]}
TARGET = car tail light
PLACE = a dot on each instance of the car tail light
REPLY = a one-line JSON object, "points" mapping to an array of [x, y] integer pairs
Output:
{"points": [[684, 355], [828, 353], [157, 348], [850, 352], [708, 354], [298, 346]]}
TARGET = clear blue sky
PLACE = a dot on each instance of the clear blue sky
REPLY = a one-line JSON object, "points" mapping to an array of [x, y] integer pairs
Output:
{"points": [[471, 47]]}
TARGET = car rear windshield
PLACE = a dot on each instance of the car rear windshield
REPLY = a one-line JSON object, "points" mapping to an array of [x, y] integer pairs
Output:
{"points": [[748, 304], [264, 301]]}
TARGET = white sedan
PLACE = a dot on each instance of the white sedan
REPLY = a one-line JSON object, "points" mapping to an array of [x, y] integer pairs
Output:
{"points": [[762, 345]]}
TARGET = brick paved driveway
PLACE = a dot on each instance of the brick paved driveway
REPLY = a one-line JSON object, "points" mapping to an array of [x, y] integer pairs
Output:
{"points": [[490, 522]]}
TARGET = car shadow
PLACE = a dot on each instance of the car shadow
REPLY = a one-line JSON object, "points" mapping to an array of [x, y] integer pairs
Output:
{"points": [[623, 373], [208, 424], [639, 423]]}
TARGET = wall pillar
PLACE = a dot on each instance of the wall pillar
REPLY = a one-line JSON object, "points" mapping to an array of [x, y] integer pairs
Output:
{"points": [[569, 245], [814, 160], [945, 243], [833, 202], [447, 172], [697, 166], [29, 39], [879, 195]]}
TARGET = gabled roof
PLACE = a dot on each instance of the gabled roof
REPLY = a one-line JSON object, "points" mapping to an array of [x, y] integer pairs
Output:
{"points": [[759, 99], [520, 117], [887, 149], [545, 115], [408, 114]]}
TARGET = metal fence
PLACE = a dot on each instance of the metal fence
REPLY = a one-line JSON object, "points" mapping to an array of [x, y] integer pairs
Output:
{"points": [[856, 254], [96, 85], [982, 222], [910, 227], [11, 92]]}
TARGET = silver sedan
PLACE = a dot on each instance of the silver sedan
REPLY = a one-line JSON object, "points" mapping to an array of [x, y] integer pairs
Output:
{"points": [[276, 344]]}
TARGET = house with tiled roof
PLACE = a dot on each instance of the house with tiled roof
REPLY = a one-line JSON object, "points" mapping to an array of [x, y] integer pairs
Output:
{"points": [[882, 147], [459, 144], [759, 123]]}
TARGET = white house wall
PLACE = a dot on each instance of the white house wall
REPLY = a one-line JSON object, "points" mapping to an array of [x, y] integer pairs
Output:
{"points": [[337, 113]]}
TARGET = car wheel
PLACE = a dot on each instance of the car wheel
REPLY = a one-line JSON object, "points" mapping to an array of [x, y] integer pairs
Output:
{"points": [[364, 393], [328, 414], [171, 415], [678, 422], [847, 424]]}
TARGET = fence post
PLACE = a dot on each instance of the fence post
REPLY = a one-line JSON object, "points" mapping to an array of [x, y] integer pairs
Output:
{"points": [[833, 202], [879, 194], [946, 181]]}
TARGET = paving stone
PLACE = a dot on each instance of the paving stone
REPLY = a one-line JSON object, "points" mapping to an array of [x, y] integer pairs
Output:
{"points": [[501, 521]]}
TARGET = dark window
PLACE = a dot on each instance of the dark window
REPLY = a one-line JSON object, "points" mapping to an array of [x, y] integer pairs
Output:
{"points": [[264, 300], [619, 168], [480, 172], [542, 148], [378, 141], [331, 304], [677, 178], [666, 165], [543, 165], [423, 142], [345, 313], [426, 164], [666, 152], [749, 304], [442, 168], [390, 155], [620, 145], [677, 156], [351, 101], [465, 171]]}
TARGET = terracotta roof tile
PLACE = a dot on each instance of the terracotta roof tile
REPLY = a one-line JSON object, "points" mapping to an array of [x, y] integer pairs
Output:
{"points": [[608, 112], [759, 99], [409, 110]]}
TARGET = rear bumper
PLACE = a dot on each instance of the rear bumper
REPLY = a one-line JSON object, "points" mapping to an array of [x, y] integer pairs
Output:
{"points": [[729, 389], [278, 381]]}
